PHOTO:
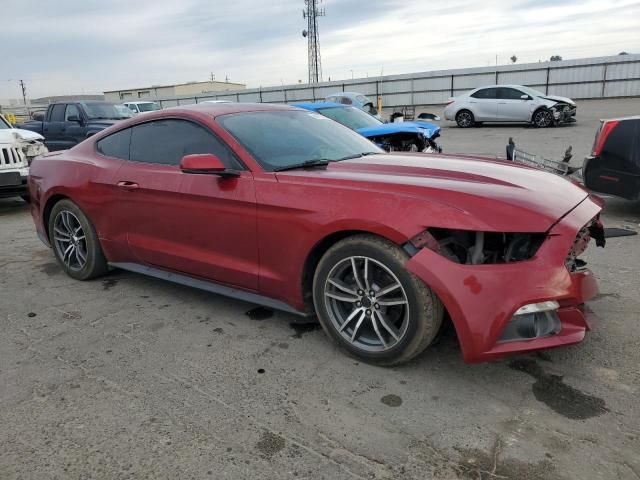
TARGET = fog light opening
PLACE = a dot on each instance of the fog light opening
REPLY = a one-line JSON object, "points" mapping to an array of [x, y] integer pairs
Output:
{"points": [[535, 320]]}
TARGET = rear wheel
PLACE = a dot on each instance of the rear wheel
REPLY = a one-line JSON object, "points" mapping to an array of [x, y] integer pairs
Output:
{"points": [[371, 305], [543, 118], [75, 242], [464, 119]]}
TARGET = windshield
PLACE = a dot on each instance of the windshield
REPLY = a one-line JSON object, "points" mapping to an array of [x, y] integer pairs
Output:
{"points": [[124, 111], [106, 111], [351, 117], [531, 91], [4, 125], [148, 107], [278, 139]]}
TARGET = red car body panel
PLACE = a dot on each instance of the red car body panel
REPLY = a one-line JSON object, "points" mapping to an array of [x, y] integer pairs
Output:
{"points": [[255, 232]]}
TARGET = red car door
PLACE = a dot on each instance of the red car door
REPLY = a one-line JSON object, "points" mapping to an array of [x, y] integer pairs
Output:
{"points": [[201, 225]]}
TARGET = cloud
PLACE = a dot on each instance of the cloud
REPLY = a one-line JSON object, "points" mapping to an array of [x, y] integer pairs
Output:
{"points": [[74, 46]]}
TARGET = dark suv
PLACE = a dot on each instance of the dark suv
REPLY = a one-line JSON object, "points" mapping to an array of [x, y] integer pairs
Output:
{"points": [[614, 164]]}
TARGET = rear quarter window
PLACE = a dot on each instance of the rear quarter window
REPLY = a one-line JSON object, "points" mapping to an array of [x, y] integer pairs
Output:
{"points": [[115, 145], [165, 142], [57, 113], [486, 93]]}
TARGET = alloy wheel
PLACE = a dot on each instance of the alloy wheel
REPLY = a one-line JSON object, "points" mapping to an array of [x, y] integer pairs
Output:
{"points": [[464, 119], [69, 240], [366, 303], [543, 119]]}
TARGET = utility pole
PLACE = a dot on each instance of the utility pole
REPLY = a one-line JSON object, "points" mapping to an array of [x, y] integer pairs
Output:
{"points": [[213, 77], [24, 96], [311, 14]]}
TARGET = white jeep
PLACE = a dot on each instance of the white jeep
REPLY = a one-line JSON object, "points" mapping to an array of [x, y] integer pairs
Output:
{"points": [[17, 148]]}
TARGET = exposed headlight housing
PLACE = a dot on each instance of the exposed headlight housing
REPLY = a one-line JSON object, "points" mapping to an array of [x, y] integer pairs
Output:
{"points": [[475, 248]]}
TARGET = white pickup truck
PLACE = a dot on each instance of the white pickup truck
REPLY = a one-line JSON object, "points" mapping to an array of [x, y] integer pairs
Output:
{"points": [[17, 149]]}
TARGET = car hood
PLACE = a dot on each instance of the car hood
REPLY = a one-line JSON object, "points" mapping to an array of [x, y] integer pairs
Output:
{"points": [[425, 128], [11, 135], [555, 98], [470, 193]]}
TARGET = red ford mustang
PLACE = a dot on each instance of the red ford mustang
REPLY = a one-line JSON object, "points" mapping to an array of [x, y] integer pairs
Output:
{"points": [[288, 209]]}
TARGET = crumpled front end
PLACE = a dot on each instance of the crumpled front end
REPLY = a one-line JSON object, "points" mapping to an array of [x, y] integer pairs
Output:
{"points": [[16, 154], [523, 304], [564, 113], [30, 144], [404, 136]]}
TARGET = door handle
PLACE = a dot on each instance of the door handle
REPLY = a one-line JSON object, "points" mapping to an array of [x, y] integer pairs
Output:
{"points": [[128, 185]]}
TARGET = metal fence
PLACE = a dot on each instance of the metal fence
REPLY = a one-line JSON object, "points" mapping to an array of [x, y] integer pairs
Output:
{"points": [[602, 77]]}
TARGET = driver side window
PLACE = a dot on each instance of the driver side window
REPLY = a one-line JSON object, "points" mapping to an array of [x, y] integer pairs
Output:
{"points": [[71, 111]]}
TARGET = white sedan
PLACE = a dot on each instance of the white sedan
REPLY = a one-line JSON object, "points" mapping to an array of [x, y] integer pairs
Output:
{"points": [[509, 103]]}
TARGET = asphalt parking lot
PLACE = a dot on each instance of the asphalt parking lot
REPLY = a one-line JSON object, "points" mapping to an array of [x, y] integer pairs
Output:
{"points": [[133, 377]]}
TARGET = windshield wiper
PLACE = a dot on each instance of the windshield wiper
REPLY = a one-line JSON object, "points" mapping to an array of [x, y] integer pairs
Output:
{"points": [[357, 155], [307, 164]]}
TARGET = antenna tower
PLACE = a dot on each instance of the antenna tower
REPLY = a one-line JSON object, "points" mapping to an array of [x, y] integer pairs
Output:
{"points": [[311, 14]]}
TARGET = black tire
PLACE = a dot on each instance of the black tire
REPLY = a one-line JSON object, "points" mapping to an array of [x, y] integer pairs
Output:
{"points": [[85, 241], [416, 322], [26, 198], [542, 118], [465, 119]]}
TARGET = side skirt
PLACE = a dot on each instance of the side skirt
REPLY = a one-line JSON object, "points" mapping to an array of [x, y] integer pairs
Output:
{"points": [[209, 286]]}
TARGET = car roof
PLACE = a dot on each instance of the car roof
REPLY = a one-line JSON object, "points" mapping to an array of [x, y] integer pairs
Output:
{"points": [[319, 105], [142, 101], [346, 94], [620, 119], [501, 85], [217, 109], [88, 102]]}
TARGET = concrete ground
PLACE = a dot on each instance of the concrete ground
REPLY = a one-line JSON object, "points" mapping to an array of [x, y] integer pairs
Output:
{"points": [[132, 377]]}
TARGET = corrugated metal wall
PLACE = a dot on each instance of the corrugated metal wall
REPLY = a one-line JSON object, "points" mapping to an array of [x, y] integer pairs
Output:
{"points": [[602, 77]]}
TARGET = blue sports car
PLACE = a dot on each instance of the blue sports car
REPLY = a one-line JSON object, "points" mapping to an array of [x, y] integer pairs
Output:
{"points": [[417, 136]]}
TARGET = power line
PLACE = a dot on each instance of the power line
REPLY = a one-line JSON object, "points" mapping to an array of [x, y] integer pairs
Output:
{"points": [[311, 13]]}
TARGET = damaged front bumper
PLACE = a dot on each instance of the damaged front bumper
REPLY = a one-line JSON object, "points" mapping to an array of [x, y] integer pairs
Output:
{"points": [[482, 300], [564, 113]]}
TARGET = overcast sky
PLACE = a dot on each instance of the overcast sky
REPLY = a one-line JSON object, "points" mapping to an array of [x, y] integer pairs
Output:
{"points": [[88, 46]]}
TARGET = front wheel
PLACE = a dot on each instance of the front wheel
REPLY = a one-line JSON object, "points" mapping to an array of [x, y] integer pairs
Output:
{"points": [[543, 118], [75, 242], [371, 305]]}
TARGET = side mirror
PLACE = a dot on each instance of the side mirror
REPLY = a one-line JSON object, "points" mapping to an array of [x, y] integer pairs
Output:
{"points": [[74, 118], [206, 164], [525, 97]]}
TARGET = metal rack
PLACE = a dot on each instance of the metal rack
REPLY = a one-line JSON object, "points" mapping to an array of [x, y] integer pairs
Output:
{"points": [[537, 161]]}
